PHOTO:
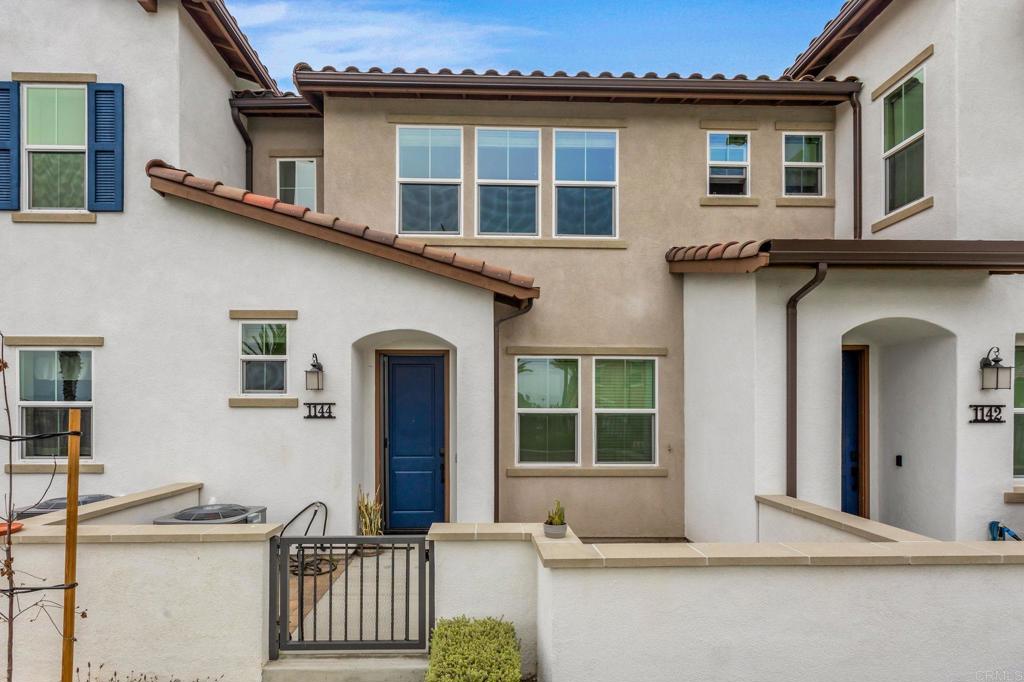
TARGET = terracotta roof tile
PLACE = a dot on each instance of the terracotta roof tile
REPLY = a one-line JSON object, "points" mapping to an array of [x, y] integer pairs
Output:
{"points": [[254, 199], [293, 210], [501, 278], [719, 251]]}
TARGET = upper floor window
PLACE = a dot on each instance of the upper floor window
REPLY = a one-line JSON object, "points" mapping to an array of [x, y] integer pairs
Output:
{"points": [[903, 150], [508, 174], [429, 179], [50, 383], [586, 182], [296, 182], [729, 164], [55, 146], [547, 410], [625, 410], [803, 163], [61, 146], [264, 356]]}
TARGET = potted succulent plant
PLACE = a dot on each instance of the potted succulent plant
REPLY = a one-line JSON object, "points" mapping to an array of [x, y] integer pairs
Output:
{"points": [[555, 526], [369, 509]]}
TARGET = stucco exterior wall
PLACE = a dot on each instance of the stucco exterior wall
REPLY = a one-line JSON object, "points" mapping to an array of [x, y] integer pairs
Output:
{"points": [[774, 525], [170, 360], [954, 473], [275, 138], [605, 297], [165, 610]]}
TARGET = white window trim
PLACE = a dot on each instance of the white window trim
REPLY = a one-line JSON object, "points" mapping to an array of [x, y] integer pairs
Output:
{"points": [[277, 193], [91, 404], [478, 183], [904, 144], [548, 410], [730, 164], [243, 358], [399, 181], [556, 183], [607, 410], [26, 148], [804, 164]]}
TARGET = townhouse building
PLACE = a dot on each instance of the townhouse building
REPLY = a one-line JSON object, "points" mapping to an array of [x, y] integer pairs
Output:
{"points": [[186, 240]]}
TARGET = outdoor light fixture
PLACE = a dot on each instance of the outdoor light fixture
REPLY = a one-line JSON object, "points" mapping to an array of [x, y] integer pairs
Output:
{"points": [[315, 375], [993, 374]]}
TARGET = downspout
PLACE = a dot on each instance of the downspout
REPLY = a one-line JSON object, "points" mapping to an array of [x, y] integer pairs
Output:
{"points": [[236, 116], [497, 401], [791, 368], [858, 166]]}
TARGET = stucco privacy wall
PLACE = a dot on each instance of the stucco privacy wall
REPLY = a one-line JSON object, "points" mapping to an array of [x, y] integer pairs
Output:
{"points": [[977, 309], [662, 171], [778, 623], [774, 525], [170, 361], [168, 610], [900, 33]]}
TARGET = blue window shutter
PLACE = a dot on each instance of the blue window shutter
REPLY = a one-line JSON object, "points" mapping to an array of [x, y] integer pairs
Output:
{"points": [[106, 147], [10, 149]]}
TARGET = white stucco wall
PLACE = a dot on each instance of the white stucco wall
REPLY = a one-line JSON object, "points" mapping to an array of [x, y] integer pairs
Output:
{"points": [[776, 623], [775, 525], [166, 610], [955, 473], [902, 31], [159, 293]]}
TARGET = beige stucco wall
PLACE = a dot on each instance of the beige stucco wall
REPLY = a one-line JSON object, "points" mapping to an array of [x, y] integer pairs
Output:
{"points": [[605, 297], [274, 138]]}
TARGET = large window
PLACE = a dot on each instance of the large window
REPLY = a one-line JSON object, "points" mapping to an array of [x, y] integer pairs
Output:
{"points": [[264, 354], [50, 382], [429, 180], [729, 164], [507, 174], [625, 411], [547, 410], [803, 165], [904, 143], [296, 182], [1018, 412], [54, 128], [586, 178]]}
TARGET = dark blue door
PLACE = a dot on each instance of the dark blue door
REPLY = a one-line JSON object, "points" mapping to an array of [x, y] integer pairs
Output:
{"points": [[851, 445], [414, 441]]}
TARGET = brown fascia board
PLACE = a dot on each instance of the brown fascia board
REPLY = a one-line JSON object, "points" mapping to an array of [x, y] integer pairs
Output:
{"points": [[215, 21], [853, 17], [266, 103], [504, 292], [315, 85], [982, 254]]}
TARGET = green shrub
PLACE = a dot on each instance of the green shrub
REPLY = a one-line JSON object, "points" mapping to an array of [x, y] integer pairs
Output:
{"points": [[473, 650]]}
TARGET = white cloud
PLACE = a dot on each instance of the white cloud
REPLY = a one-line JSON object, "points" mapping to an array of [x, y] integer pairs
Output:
{"points": [[385, 34], [258, 13]]}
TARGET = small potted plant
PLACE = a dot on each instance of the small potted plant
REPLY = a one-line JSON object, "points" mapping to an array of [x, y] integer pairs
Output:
{"points": [[555, 526], [369, 509]]}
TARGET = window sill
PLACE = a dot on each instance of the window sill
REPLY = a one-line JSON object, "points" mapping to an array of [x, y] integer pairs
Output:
{"points": [[902, 214], [820, 202], [1015, 496], [263, 402], [527, 242], [604, 471], [730, 201], [56, 217], [47, 468]]}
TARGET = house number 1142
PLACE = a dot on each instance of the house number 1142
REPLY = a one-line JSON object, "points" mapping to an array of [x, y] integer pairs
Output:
{"points": [[987, 414]]}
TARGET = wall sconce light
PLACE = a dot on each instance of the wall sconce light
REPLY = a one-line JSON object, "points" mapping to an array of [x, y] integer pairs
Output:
{"points": [[993, 374], [315, 375]]}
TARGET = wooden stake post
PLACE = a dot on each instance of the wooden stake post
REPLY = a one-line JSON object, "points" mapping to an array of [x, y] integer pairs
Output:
{"points": [[67, 660]]}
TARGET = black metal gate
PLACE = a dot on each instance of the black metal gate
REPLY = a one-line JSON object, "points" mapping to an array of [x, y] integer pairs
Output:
{"points": [[358, 593]]}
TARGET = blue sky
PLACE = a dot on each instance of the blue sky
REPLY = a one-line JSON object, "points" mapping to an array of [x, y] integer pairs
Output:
{"points": [[709, 36]]}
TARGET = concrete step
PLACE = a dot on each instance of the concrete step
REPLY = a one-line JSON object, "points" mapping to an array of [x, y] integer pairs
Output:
{"points": [[366, 667]]}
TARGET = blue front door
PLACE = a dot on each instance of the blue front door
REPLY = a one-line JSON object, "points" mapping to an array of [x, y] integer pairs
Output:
{"points": [[414, 440], [851, 445]]}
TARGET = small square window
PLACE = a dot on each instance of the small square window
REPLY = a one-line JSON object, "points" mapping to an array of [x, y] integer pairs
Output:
{"points": [[296, 182], [803, 165], [264, 357], [50, 383], [547, 410], [728, 164]]}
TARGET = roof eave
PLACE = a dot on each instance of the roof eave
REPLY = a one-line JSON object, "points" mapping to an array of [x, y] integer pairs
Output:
{"points": [[852, 19], [215, 21]]}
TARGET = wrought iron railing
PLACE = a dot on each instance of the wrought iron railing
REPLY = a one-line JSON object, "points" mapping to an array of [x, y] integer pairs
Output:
{"points": [[357, 592]]}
